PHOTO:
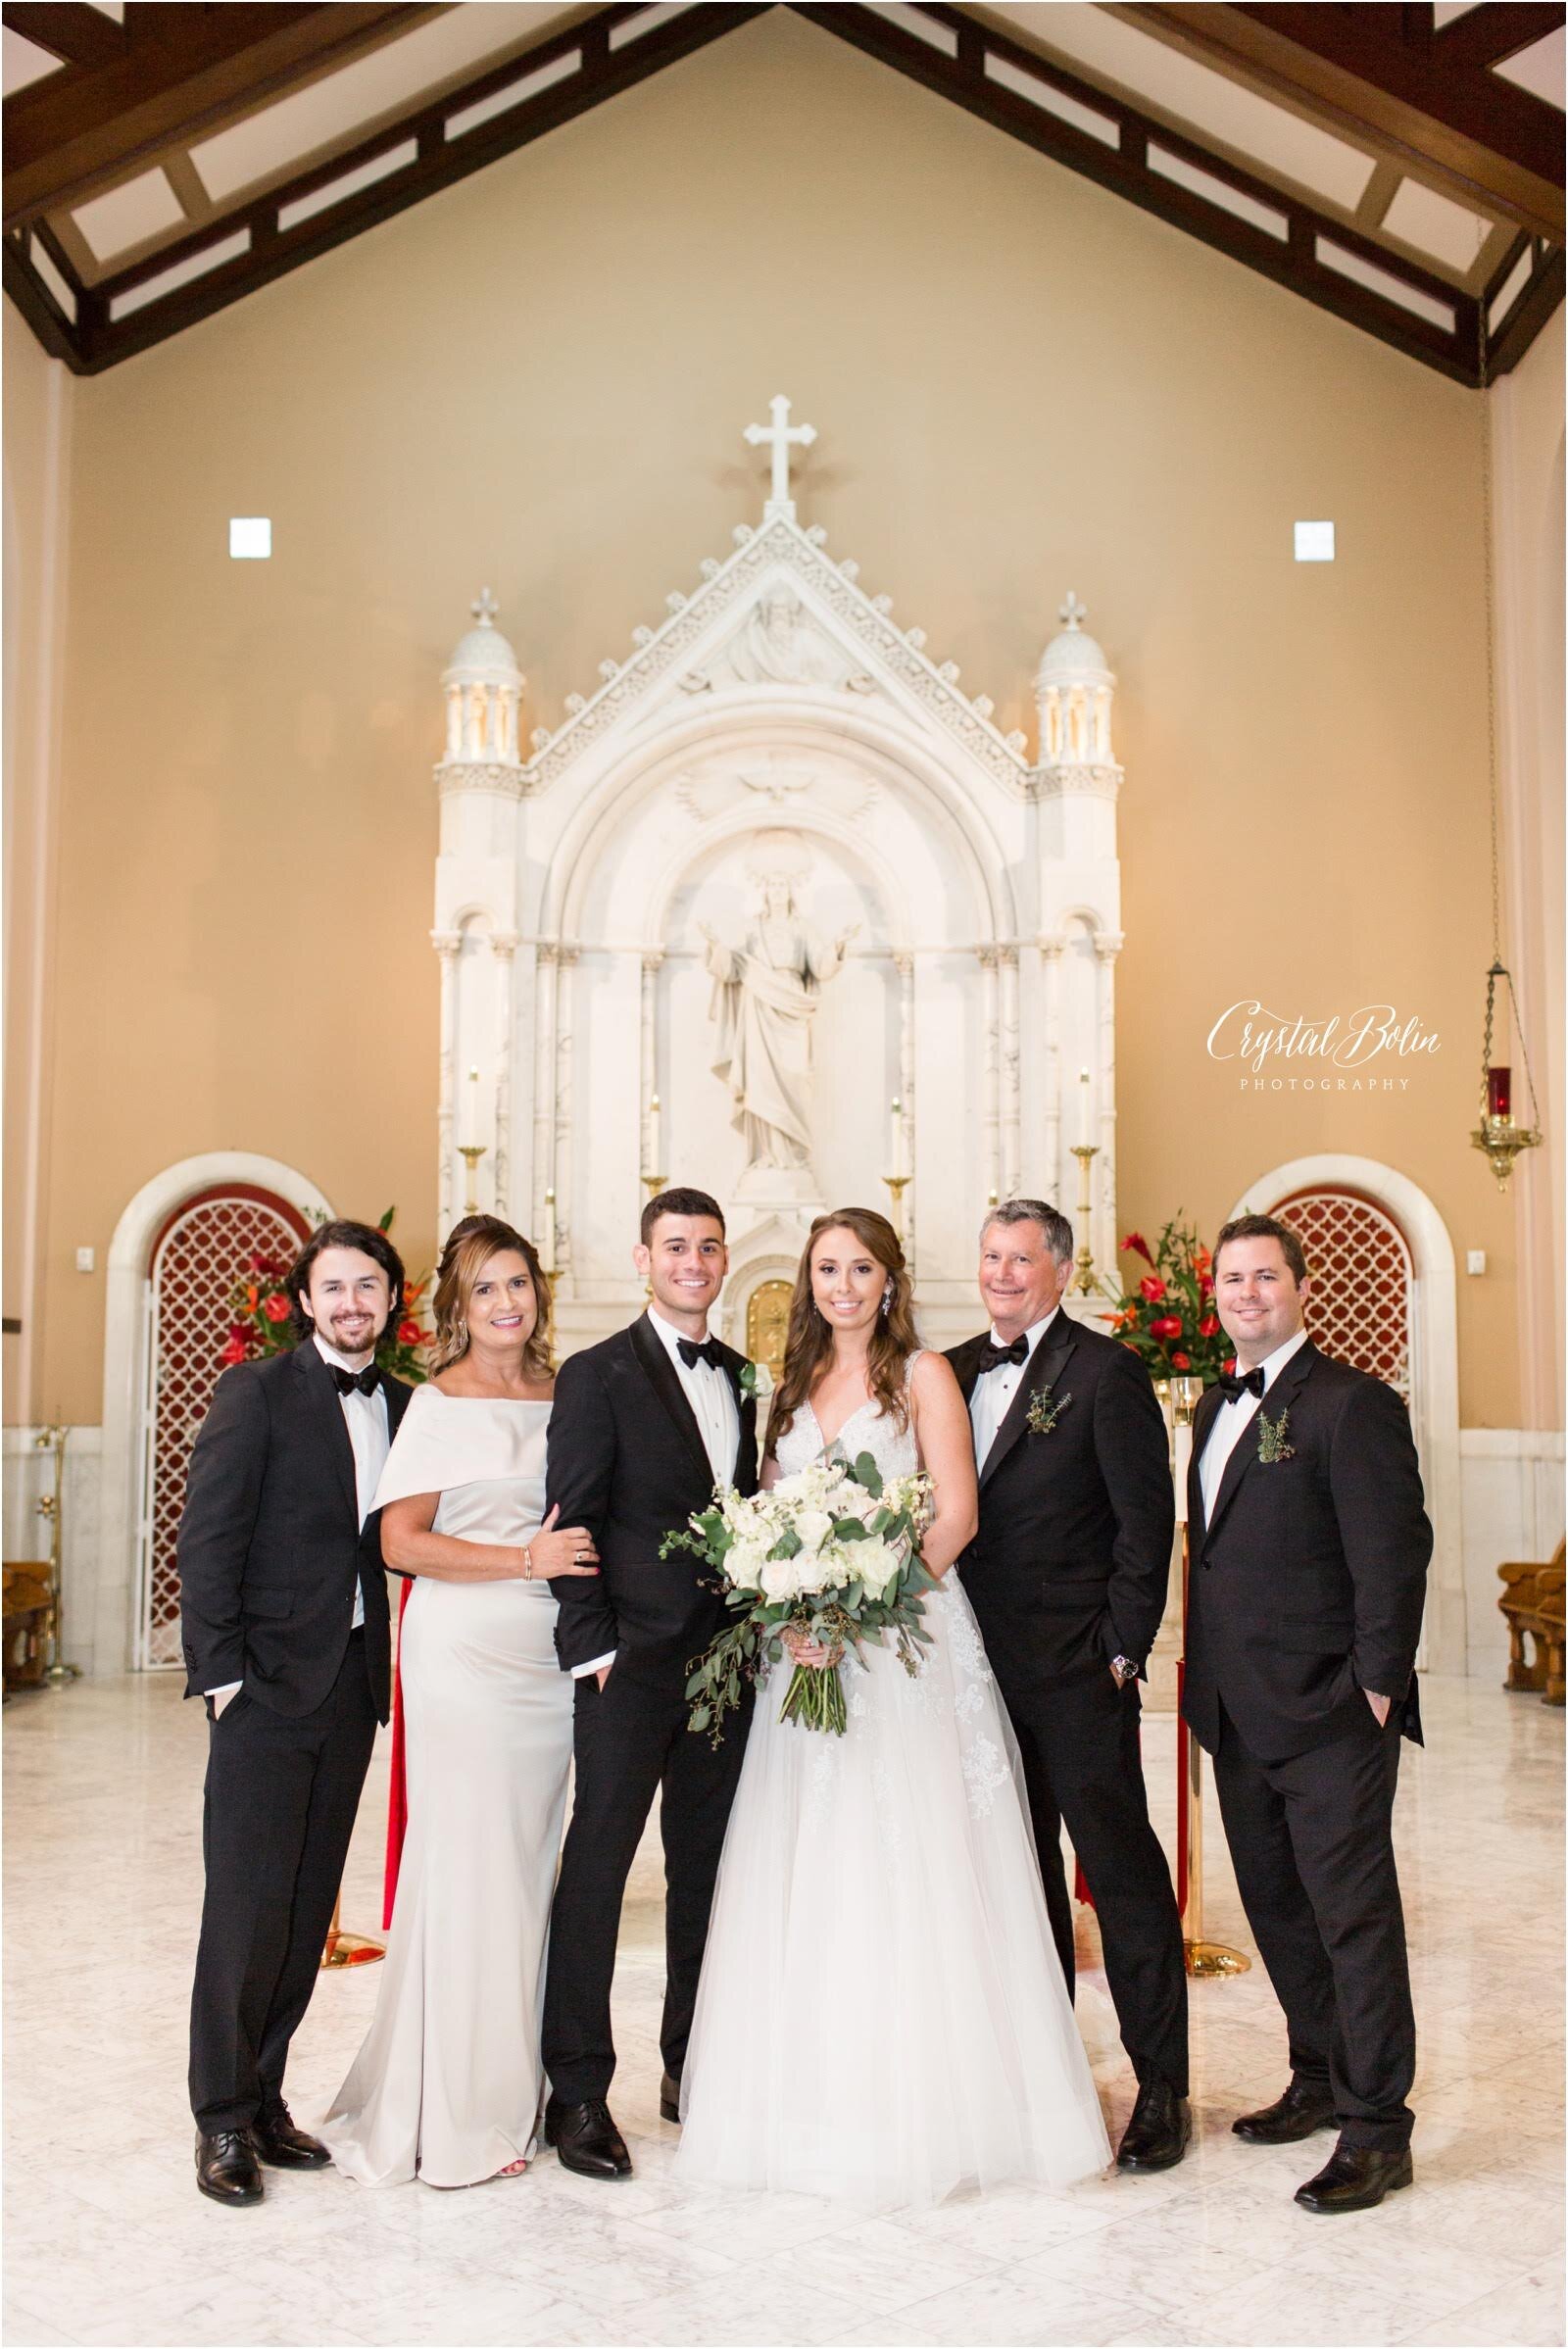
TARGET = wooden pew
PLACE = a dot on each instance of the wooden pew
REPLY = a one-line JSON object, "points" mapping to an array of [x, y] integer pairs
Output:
{"points": [[1532, 1605], [25, 1623]]}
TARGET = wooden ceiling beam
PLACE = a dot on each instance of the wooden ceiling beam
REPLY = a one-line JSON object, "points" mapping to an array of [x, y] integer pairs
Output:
{"points": [[176, 73], [76, 35], [1459, 128], [1490, 35]]}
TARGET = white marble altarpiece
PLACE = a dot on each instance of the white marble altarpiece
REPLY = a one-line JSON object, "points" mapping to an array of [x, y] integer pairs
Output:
{"points": [[776, 873]]}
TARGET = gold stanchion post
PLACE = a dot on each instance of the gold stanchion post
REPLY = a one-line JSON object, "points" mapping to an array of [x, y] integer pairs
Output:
{"points": [[58, 1673], [1205, 1959], [347, 1949]]}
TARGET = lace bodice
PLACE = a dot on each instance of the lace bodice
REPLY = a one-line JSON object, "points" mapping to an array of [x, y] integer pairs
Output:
{"points": [[868, 1429]]}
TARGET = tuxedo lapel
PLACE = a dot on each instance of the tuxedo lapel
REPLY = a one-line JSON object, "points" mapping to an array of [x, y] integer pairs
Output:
{"points": [[1041, 1370], [1209, 1404], [965, 1361], [326, 1415], [661, 1371], [746, 1406], [1244, 1451]]}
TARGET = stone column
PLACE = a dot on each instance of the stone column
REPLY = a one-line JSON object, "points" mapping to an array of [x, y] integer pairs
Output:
{"points": [[447, 944]]}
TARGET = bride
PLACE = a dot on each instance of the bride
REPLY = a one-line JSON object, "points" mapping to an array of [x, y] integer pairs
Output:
{"points": [[882, 2016]]}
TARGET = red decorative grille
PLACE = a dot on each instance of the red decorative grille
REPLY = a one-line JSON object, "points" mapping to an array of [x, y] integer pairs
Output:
{"points": [[201, 1251], [1359, 1262]]}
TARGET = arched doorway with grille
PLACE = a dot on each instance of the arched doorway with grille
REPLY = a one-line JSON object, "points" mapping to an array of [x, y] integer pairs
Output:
{"points": [[1382, 1298], [206, 1244], [178, 1249]]}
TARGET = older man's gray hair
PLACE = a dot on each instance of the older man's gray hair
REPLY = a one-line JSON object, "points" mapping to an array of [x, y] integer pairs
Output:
{"points": [[1054, 1225]]}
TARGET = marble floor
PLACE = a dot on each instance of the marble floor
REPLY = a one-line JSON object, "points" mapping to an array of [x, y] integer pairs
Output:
{"points": [[106, 2239]]}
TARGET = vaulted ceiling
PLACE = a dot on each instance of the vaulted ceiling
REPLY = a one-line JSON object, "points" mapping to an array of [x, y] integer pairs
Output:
{"points": [[1399, 166]]}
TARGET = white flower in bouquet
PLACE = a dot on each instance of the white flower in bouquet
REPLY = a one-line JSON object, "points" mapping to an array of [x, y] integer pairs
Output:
{"points": [[812, 1528], [780, 1579]]}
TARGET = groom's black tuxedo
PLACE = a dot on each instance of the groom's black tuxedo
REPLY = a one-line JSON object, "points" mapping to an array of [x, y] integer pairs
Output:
{"points": [[1305, 1591], [271, 1555], [627, 1461], [1069, 1567]]}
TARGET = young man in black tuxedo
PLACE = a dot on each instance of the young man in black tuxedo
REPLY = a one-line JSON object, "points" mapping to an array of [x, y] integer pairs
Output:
{"points": [[1067, 1577], [644, 1427], [1310, 1547], [284, 1620]]}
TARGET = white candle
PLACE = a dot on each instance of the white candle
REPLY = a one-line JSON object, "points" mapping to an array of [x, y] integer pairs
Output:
{"points": [[1084, 1136], [653, 1166], [547, 1253], [896, 1141]]}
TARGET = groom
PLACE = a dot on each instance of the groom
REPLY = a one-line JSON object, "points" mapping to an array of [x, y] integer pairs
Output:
{"points": [[644, 1427], [1067, 1578]]}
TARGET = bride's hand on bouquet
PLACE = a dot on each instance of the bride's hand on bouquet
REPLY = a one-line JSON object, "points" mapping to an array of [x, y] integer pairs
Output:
{"points": [[815, 1654], [562, 1549]]}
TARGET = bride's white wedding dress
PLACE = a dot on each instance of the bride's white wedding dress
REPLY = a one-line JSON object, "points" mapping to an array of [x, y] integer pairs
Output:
{"points": [[882, 2017]]}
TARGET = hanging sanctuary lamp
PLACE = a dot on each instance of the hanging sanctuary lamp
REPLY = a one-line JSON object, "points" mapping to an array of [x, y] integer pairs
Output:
{"points": [[1501, 1135]]}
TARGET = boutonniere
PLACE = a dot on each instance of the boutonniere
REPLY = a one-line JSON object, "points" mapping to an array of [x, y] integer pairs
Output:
{"points": [[1271, 1444], [1045, 1409], [757, 1382]]}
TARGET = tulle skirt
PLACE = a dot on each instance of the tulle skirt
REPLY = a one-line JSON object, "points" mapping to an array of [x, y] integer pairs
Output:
{"points": [[882, 2017]]}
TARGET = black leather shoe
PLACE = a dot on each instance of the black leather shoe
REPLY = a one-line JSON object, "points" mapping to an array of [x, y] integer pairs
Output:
{"points": [[1355, 2177], [1307, 2104], [586, 2138], [670, 2098], [282, 2147], [1159, 2130], [226, 2166]]}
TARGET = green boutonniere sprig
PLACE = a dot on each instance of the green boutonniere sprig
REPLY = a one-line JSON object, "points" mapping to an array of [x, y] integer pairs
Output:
{"points": [[1271, 1445], [1045, 1410]]}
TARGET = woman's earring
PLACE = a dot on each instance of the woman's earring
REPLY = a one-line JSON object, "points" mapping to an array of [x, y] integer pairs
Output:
{"points": [[887, 1297]]}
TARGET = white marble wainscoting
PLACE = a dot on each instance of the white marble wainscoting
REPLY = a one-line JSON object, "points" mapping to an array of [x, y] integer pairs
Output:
{"points": [[107, 2240]]}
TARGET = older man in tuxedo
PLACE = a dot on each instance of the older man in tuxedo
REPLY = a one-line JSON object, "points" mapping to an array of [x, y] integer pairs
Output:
{"points": [[1067, 1577], [1309, 1553]]}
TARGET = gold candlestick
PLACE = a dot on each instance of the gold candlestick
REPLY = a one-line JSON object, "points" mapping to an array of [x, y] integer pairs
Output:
{"points": [[898, 1184], [51, 1508], [471, 1153], [654, 1183], [1083, 1281]]}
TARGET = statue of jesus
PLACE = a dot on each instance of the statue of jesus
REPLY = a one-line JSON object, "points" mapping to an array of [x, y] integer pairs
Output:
{"points": [[765, 1003]]}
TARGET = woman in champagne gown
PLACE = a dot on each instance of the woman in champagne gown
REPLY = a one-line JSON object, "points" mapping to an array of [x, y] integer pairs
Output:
{"points": [[882, 2017], [447, 2085]]}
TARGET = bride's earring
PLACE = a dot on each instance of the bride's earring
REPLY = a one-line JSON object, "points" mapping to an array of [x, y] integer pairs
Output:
{"points": [[887, 1297]]}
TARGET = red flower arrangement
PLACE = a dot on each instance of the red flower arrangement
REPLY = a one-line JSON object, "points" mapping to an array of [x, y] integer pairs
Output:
{"points": [[260, 1307], [1170, 1319]]}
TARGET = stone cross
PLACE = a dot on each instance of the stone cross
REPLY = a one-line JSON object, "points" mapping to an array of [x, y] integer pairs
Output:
{"points": [[778, 437], [484, 609], [1073, 614]]}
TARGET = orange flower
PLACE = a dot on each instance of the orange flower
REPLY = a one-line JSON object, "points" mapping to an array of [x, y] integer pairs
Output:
{"points": [[251, 1295]]}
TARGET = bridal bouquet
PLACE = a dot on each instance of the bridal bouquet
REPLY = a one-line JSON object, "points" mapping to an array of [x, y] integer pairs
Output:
{"points": [[833, 1552]]}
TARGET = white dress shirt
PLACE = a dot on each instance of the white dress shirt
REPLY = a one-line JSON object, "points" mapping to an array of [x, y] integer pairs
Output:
{"points": [[711, 1396], [365, 1417], [1231, 1419], [993, 1389]]}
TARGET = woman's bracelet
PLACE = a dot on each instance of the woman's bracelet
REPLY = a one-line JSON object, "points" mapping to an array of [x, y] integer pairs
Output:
{"points": [[527, 1562]]}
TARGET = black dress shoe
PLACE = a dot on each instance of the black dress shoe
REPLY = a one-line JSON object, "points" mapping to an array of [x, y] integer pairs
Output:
{"points": [[282, 2147], [1355, 2177], [669, 2097], [226, 2166], [586, 2138], [1307, 2104], [1159, 2130]]}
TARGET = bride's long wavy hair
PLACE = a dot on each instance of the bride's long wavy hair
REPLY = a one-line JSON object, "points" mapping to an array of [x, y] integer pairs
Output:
{"points": [[808, 1346]]}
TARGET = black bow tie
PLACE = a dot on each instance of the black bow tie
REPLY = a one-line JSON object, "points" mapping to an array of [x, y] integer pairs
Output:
{"points": [[355, 1382], [692, 1352], [993, 1355], [1233, 1384]]}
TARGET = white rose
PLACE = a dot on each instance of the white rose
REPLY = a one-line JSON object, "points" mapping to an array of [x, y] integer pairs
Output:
{"points": [[813, 1527], [778, 1578], [875, 1566]]}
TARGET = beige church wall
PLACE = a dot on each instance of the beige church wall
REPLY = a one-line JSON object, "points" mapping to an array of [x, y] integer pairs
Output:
{"points": [[37, 413], [537, 381]]}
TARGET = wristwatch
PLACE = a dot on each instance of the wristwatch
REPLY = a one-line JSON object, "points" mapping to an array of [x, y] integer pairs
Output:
{"points": [[1125, 1670]]}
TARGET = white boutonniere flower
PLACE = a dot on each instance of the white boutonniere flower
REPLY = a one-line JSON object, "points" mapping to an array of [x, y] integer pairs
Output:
{"points": [[756, 1381]]}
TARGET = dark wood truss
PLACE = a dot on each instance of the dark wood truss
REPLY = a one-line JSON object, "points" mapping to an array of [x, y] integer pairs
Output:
{"points": [[955, 53]]}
